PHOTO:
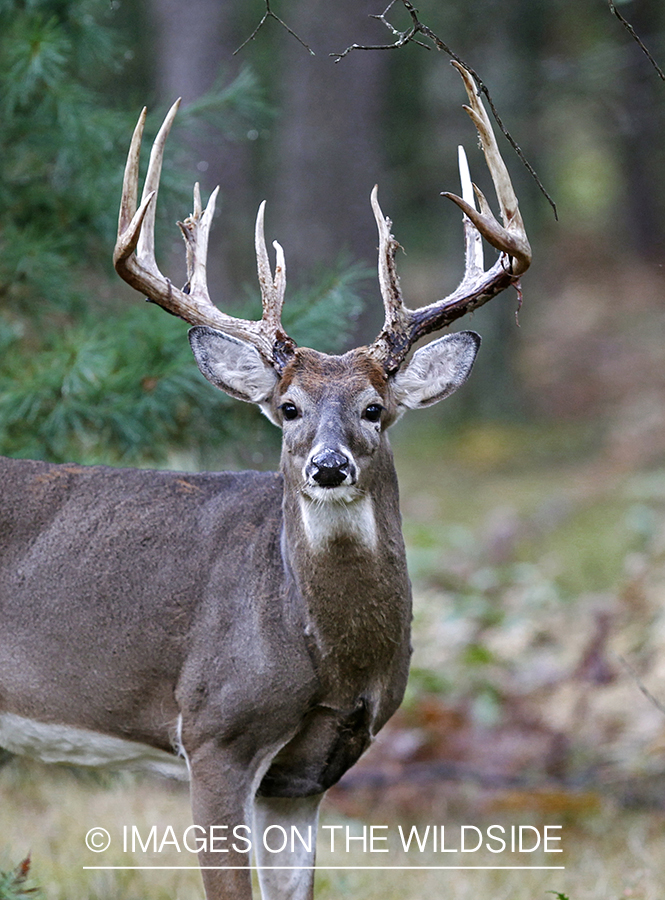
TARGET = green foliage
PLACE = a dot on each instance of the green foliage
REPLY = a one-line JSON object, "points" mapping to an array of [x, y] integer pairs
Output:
{"points": [[56, 141], [108, 390], [14, 884]]}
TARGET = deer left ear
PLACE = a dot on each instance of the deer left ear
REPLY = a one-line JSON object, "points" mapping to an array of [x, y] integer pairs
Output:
{"points": [[436, 370]]}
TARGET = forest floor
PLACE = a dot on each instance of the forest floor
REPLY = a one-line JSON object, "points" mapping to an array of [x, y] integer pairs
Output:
{"points": [[609, 854]]}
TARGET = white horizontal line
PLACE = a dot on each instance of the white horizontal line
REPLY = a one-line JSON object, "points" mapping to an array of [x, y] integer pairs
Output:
{"points": [[327, 868]]}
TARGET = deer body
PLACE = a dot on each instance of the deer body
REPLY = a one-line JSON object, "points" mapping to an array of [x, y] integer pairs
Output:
{"points": [[317, 620], [255, 624]]}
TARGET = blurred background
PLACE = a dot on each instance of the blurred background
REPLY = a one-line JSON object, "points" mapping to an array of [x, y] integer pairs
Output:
{"points": [[533, 500]]}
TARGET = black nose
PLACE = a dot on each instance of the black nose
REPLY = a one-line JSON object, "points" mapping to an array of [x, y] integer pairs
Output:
{"points": [[329, 468]]}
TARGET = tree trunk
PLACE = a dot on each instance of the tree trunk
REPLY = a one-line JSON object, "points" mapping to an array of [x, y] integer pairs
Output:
{"points": [[328, 148], [193, 42]]}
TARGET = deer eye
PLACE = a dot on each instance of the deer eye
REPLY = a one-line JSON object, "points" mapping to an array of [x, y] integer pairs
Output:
{"points": [[289, 411], [373, 412]]}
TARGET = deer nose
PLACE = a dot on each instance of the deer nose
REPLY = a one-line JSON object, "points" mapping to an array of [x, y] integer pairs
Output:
{"points": [[329, 468]]}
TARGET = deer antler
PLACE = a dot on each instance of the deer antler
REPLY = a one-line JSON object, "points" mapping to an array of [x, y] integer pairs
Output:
{"points": [[402, 326], [134, 257]]}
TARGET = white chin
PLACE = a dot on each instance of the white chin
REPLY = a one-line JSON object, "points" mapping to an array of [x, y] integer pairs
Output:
{"points": [[345, 493]]}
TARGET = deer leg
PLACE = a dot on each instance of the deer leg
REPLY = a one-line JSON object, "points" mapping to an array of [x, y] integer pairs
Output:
{"points": [[285, 835], [221, 791]]}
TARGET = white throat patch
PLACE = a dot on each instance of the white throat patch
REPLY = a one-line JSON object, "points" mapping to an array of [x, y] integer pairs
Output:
{"points": [[349, 516]]}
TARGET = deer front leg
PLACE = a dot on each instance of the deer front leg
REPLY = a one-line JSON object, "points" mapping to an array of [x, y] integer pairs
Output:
{"points": [[221, 792], [291, 823]]}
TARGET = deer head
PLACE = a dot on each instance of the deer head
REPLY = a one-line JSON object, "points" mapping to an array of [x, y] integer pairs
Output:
{"points": [[369, 387]]}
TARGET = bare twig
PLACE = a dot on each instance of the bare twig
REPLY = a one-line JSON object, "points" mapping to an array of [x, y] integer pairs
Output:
{"points": [[269, 14], [631, 31], [647, 693], [402, 37], [408, 36]]}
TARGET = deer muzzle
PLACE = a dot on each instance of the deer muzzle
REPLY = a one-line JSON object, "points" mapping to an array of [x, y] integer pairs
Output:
{"points": [[330, 469]]}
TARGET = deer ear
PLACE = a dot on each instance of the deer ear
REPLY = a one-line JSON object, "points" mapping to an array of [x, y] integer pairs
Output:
{"points": [[436, 370], [232, 365]]}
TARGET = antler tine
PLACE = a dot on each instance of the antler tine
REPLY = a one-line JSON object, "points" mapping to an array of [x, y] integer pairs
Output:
{"points": [[473, 242], [391, 291], [145, 249], [403, 327], [397, 316], [511, 238], [195, 231], [272, 291], [134, 257], [129, 219], [131, 177]]}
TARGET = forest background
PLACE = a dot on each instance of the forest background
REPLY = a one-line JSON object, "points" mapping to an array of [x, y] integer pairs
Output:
{"points": [[534, 500]]}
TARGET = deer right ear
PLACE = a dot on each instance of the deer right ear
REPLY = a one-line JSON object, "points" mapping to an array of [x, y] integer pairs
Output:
{"points": [[232, 365]]}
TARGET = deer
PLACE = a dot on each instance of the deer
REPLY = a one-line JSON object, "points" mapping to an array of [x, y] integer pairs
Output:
{"points": [[254, 624]]}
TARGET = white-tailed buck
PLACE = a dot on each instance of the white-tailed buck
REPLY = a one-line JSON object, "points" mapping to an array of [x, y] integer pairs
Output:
{"points": [[256, 624]]}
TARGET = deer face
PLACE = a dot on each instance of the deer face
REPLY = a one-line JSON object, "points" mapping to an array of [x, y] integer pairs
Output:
{"points": [[333, 410]]}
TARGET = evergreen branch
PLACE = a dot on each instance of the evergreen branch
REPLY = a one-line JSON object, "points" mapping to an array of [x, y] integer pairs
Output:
{"points": [[269, 14], [631, 31], [409, 36]]}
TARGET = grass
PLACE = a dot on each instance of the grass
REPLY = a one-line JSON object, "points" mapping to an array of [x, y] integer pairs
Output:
{"points": [[607, 856]]}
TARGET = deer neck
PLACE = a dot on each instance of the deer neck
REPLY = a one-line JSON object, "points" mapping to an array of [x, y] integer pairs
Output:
{"points": [[347, 565]]}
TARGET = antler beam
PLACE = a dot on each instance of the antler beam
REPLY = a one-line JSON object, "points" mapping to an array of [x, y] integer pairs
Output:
{"points": [[134, 257], [402, 326]]}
